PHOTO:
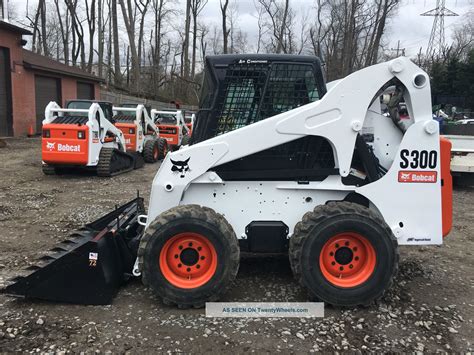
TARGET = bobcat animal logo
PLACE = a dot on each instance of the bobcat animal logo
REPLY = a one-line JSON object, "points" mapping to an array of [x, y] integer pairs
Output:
{"points": [[50, 146], [405, 176], [180, 167]]}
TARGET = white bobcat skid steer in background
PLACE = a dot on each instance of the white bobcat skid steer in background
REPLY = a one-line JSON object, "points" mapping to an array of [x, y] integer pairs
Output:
{"points": [[83, 138], [141, 134], [172, 127]]}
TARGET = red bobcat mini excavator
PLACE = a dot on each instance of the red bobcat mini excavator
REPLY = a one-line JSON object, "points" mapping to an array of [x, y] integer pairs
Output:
{"points": [[83, 136]]}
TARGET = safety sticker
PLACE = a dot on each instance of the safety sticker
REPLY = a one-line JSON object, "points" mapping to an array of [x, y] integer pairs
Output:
{"points": [[93, 259], [417, 176]]}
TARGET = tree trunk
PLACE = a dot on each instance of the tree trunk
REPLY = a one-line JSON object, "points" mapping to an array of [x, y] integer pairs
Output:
{"points": [[225, 31], [282, 29], [185, 47], [100, 38], [116, 48]]}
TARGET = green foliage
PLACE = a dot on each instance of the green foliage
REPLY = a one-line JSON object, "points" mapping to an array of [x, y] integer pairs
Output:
{"points": [[454, 78]]}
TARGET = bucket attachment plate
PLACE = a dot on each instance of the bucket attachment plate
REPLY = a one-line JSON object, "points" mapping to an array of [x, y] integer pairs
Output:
{"points": [[90, 266]]}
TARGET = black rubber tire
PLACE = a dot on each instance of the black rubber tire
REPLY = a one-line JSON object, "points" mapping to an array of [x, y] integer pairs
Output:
{"points": [[325, 221], [49, 170], [163, 145], [185, 140], [151, 151], [189, 218]]}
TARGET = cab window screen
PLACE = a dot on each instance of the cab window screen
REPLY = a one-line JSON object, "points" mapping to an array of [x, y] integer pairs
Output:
{"points": [[253, 92]]}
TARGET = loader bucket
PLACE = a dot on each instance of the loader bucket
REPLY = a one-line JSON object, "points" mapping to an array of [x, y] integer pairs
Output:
{"points": [[89, 266]]}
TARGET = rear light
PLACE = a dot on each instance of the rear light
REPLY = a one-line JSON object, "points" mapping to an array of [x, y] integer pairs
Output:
{"points": [[173, 130], [46, 133], [81, 135], [131, 131]]}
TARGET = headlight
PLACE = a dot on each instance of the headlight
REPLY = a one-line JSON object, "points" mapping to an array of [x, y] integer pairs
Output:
{"points": [[81, 135], [46, 133], [131, 131]]}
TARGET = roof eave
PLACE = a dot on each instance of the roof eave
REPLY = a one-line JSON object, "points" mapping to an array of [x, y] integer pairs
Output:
{"points": [[63, 72]]}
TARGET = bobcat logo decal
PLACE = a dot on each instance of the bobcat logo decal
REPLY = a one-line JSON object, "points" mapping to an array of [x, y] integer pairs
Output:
{"points": [[180, 167], [50, 146]]}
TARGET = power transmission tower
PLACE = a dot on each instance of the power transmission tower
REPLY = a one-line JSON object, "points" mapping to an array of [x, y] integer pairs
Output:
{"points": [[436, 44]]}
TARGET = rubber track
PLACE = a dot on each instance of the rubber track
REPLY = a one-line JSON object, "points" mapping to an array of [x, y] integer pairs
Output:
{"points": [[197, 212], [104, 167], [320, 214], [48, 170]]}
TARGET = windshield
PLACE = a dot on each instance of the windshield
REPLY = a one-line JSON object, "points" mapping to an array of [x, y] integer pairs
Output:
{"points": [[126, 113], [166, 118], [84, 105], [81, 105]]}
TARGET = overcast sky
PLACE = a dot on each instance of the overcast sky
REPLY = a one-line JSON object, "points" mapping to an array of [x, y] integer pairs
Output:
{"points": [[408, 27]]}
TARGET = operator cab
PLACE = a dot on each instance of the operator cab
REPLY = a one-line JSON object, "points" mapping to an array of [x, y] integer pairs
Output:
{"points": [[166, 118], [106, 107], [239, 90]]}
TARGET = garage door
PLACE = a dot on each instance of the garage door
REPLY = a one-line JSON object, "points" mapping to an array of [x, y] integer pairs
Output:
{"points": [[6, 124], [85, 91], [47, 89]]}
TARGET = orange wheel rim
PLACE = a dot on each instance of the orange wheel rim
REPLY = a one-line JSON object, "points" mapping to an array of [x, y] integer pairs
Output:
{"points": [[347, 260], [155, 153], [188, 260]]}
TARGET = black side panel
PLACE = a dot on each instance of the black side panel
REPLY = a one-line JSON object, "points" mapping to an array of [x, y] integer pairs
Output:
{"points": [[47, 89], [267, 237], [6, 121], [306, 159]]}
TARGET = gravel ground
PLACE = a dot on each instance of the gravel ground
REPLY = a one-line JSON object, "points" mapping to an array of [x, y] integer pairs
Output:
{"points": [[429, 308]]}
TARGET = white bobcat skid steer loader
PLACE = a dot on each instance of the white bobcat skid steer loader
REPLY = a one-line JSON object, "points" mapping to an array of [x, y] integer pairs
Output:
{"points": [[77, 137], [332, 182], [140, 132], [172, 127], [344, 213]]}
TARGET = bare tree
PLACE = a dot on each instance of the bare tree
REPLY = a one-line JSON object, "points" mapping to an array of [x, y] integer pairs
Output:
{"points": [[278, 14], [185, 47], [91, 21], [129, 20], [196, 7], [225, 31], [63, 20], [116, 48]]}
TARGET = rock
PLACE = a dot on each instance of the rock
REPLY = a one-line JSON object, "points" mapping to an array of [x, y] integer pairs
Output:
{"points": [[299, 335], [452, 330], [286, 332], [40, 321], [207, 331]]}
